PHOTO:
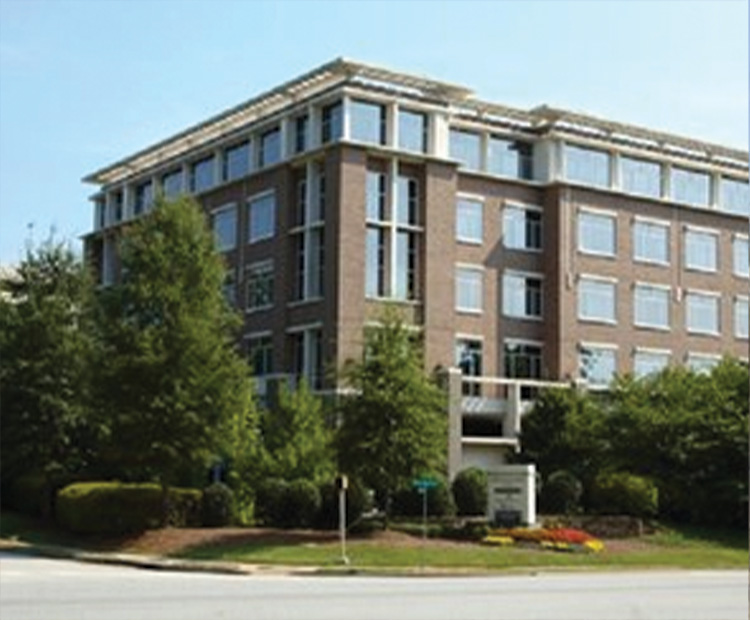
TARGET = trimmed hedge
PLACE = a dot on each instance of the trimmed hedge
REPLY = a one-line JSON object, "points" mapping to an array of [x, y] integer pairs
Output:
{"points": [[561, 493], [626, 494], [119, 508], [217, 505], [470, 492]]}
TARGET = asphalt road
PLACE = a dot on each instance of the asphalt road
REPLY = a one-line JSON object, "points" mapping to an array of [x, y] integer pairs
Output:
{"points": [[44, 589]]}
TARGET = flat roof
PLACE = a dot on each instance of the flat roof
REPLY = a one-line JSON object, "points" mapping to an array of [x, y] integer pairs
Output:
{"points": [[341, 71]]}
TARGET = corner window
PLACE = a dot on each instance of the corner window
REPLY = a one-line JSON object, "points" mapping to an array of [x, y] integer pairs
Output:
{"points": [[639, 176], [648, 362], [702, 313], [465, 146], [261, 217], [651, 242], [741, 256], [651, 306], [741, 317], [701, 250], [522, 227], [734, 196], [596, 300], [510, 158], [412, 131], [522, 295], [690, 187], [586, 166], [331, 123], [236, 161], [469, 289], [367, 122], [597, 365], [597, 233], [270, 147], [225, 228], [469, 220], [260, 286]]}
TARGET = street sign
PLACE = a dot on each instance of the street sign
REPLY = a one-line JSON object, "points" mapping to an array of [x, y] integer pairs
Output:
{"points": [[425, 483]]}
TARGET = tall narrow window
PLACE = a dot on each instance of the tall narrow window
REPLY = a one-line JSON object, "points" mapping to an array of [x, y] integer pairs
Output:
{"points": [[406, 265], [202, 174], [117, 206], [260, 286], [260, 355], [412, 131], [741, 256], [270, 147], [407, 201], [225, 228], [301, 124], [741, 317], [144, 197], [375, 263], [261, 217], [469, 220], [375, 207], [171, 183], [734, 196], [469, 289], [523, 360]]}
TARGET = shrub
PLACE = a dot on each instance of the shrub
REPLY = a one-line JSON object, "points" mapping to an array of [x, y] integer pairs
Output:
{"points": [[409, 502], [561, 493], [118, 508], [269, 507], [26, 494], [470, 492], [356, 503], [217, 505], [624, 493], [301, 503]]}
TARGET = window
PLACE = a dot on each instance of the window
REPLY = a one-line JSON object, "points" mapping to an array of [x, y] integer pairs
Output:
{"points": [[702, 313], [315, 262], [597, 364], [522, 227], [301, 124], [651, 306], [406, 265], [596, 300], [229, 288], [596, 233], [702, 364], [465, 146], [202, 174], [262, 217], [236, 161], [651, 242], [260, 286], [469, 289], [412, 131], [331, 123], [639, 176], [367, 122], [469, 220], [260, 354], [734, 196], [523, 360], [649, 362], [307, 355], [270, 147], [375, 262], [171, 184], [375, 196], [407, 201], [741, 317], [741, 256], [318, 198], [117, 203], [586, 166], [144, 197], [469, 360], [510, 158], [690, 187], [701, 249], [225, 228], [522, 295]]}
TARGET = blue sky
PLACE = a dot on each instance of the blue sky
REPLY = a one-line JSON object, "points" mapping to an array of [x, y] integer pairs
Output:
{"points": [[85, 83]]}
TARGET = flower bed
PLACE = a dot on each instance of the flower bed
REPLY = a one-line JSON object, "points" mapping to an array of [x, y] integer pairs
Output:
{"points": [[557, 539]]}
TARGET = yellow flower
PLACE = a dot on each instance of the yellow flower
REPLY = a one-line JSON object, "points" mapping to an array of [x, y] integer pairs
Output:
{"points": [[594, 545]]}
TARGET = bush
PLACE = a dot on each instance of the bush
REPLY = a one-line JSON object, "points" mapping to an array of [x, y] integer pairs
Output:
{"points": [[356, 503], [470, 492], [561, 493], [217, 505], [269, 507], [409, 502], [300, 503], [26, 494], [119, 508], [624, 493]]}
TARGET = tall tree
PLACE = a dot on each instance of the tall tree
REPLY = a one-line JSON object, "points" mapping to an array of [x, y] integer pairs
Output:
{"points": [[171, 382], [46, 346], [394, 425]]}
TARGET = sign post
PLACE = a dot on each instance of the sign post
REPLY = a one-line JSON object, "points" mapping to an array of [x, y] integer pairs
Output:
{"points": [[342, 482], [423, 485]]}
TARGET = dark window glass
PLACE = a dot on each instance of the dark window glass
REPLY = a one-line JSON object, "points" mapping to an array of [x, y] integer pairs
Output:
{"points": [[117, 206], [469, 360], [300, 134], [270, 147], [236, 162], [331, 123], [202, 174], [171, 184], [144, 197], [261, 355], [375, 262], [406, 265]]}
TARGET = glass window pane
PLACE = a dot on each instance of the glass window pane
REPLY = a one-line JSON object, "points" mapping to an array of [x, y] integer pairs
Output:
{"points": [[407, 201], [465, 146], [375, 196], [651, 306], [597, 365], [260, 286], [469, 290], [701, 250], [702, 364], [171, 184], [647, 363], [522, 296], [510, 158], [261, 355], [367, 123], [469, 359], [734, 196], [202, 174], [596, 300], [412, 131], [741, 256], [522, 361], [332, 123], [651, 242], [596, 233], [641, 177], [225, 229], [586, 166], [469, 220], [301, 124], [690, 187], [236, 161], [522, 228], [262, 218], [144, 197], [741, 317], [375, 263], [702, 313], [270, 147]]}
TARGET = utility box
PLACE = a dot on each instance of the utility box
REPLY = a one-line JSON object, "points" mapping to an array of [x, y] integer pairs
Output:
{"points": [[511, 495]]}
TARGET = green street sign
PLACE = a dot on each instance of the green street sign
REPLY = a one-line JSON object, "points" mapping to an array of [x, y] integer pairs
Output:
{"points": [[424, 483]]}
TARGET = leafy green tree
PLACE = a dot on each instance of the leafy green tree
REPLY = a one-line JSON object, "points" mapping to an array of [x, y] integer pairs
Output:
{"points": [[394, 426], [171, 381], [296, 438], [46, 349]]}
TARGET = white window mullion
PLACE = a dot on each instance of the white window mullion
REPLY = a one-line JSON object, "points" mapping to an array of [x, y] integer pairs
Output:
{"points": [[393, 205]]}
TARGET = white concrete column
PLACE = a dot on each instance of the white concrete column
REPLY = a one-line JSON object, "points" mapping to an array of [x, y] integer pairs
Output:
{"points": [[346, 118], [714, 189], [440, 135], [393, 279], [484, 150], [284, 134], [391, 125], [615, 181], [313, 127], [666, 180], [127, 202]]}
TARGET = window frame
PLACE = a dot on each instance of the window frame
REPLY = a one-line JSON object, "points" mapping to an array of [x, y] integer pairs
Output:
{"points": [[524, 209], [638, 319], [260, 269], [666, 226], [464, 269], [252, 237], [525, 277], [222, 210], [475, 201], [581, 239], [737, 237], [690, 264], [700, 331], [597, 280], [611, 349], [739, 333]]}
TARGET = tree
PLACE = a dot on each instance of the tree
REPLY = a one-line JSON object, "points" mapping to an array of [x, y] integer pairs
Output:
{"points": [[46, 348], [394, 426], [171, 381]]}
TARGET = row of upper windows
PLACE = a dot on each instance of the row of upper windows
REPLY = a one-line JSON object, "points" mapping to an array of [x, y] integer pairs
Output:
{"points": [[597, 235], [522, 298]]}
